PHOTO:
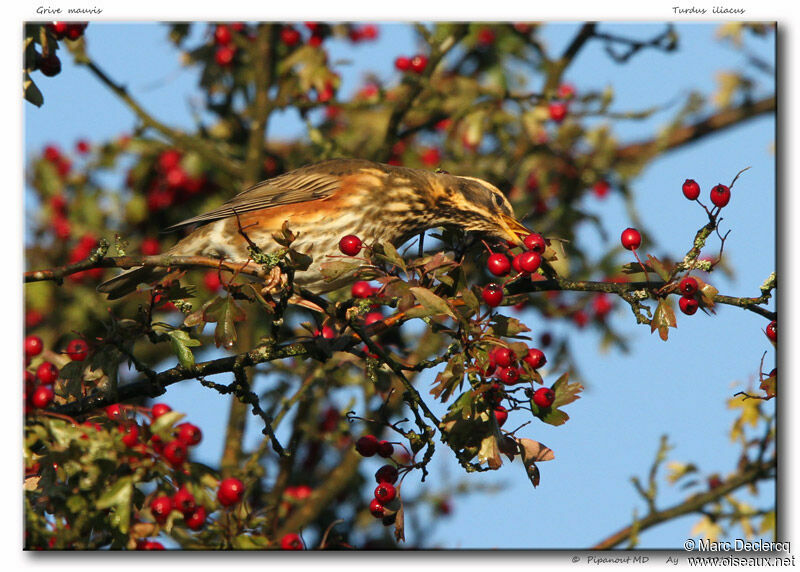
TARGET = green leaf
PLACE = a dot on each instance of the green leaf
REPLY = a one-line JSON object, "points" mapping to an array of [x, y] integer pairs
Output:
{"points": [[565, 393], [335, 269], [386, 252], [663, 319], [505, 327], [299, 260], [489, 452], [164, 424], [532, 452], [118, 498], [31, 92], [450, 378], [180, 345], [470, 300], [431, 301], [225, 312], [663, 269]]}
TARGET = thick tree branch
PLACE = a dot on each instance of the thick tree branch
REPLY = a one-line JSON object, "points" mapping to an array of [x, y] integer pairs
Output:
{"points": [[751, 474], [686, 134]]}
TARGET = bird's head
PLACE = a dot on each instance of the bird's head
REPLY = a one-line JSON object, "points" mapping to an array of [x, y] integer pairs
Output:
{"points": [[478, 206]]}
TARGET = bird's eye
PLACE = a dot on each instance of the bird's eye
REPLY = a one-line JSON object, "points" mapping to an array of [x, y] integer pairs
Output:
{"points": [[498, 200]]}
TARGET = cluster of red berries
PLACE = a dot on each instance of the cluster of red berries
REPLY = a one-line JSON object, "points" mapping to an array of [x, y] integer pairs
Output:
{"points": [[416, 64], [38, 388], [558, 109], [524, 263], [367, 32], [225, 46], [506, 367], [173, 183], [369, 445], [688, 287], [384, 504], [720, 194], [68, 30]]}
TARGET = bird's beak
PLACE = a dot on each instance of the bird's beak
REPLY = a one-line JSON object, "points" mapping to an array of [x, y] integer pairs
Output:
{"points": [[513, 229]]}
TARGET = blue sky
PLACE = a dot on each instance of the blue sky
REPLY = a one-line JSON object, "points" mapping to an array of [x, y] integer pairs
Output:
{"points": [[677, 388]]}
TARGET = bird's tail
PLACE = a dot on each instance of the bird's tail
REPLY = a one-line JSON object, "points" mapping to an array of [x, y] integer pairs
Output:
{"points": [[125, 283]]}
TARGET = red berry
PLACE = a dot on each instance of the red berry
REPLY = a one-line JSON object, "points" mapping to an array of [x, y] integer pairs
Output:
{"points": [[377, 509], [113, 411], [42, 396], [772, 331], [385, 449], [197, 518], [431, 157], [290, 36], [544, 397], [130, 435], [486, 37], [300, 492], [231, 491], [350, 245], [688, 305], [535, 358], [385, 493], [149, 545], [535, 242], [529, 262], [189, 434], [77, 350], [565, 91], [372, 317], [292, 541], [492, 294], [49, 66], [602, 305], [222, 35], [47, 373], [367, 445], [402, 63], [150, 246], [59, 29], [33, 346], [161, 507], [169, 159], [720, 195], [501, 415], [211, 281], [361, 289], [184, 501], [498, 264], [688, 286], [386, 474], [631, 238], [600, 189], [159, 409], [691, 190], [175, 452], [75, 30], [557, 110], [503, 357], [224, 55], [418, 63], [327, 332], [508, 375]]}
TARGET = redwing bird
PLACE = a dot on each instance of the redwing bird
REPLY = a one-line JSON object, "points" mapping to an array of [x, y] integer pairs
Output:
{"points": [[326, 201]]}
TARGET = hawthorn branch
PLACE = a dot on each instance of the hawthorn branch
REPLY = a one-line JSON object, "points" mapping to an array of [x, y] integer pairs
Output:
{"points": [[751, 474], [686, 134], [206, 150], [159, 260]]}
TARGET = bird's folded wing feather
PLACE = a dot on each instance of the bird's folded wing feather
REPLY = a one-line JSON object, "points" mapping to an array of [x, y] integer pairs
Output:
{"points": [[293, 187]]}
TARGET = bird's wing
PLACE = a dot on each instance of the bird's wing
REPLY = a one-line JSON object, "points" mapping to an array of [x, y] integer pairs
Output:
{"points": [[300, 185]]}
